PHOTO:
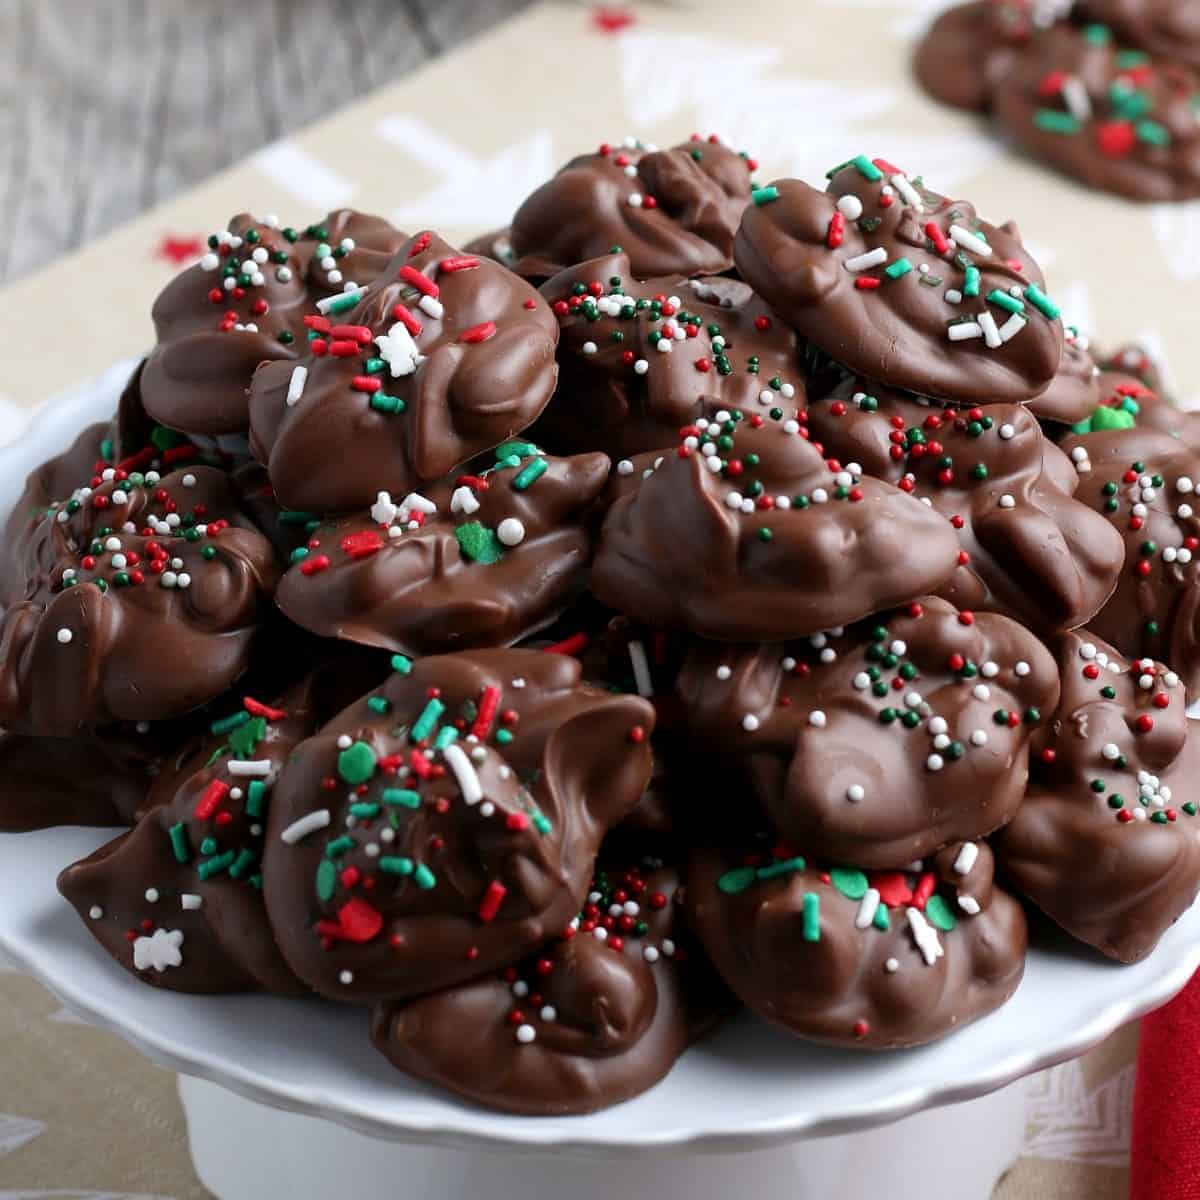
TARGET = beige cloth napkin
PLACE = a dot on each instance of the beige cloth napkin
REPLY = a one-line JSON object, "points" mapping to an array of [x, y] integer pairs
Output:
{"points": [[801, 86]]}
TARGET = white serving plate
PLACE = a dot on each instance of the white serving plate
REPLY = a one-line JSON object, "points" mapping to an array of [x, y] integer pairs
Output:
{"points": [[746, 1087]]}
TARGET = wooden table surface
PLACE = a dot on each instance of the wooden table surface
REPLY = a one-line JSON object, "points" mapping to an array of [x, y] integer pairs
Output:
{"points": [[108, 107]]}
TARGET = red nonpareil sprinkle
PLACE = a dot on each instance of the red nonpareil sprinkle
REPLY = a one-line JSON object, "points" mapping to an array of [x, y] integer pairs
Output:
{"points": [[575, 644], [861, 1029], [257, 709], [516, 822], [478, 333], [215, 296], [489, 906], [963, 558], [1049, 755], [704, 365], [461, 262], [649, 202], [420, 242], [867, 283], [314, 565], [966, 618], [422, 283], [1143, 568], [1144, 723], [957, 662], [317, 323], [1091, 671], [489, 702], [404, 315], [836, 233], [362, 543], [1052, 84], [886, 200], [637, 735], [916, 610], [211, 798], [1161, 700], [1115, 139], [530, 304], [1124, 816]]}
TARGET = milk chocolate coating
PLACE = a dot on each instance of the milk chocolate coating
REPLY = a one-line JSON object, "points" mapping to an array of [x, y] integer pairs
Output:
{"points": [[497, 244], [894, 321], [1133, 359], [677, 553], [1142, 407], [1029, 550], [192, 865], [1074, 392], [367, 420], [1166, 28], [969, 49], [783, 932], [638, 359], [1132, 129], [605, 1019], [1107, 842], [132, 625], [498, 557], [211, 336], [1143, 482], [880, 744], [422, 864], [674, 212]]}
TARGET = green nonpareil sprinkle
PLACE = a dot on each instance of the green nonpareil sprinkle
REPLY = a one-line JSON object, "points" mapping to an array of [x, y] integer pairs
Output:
{"points": [[530, 475], [179, 842], [503, 737], [427, 721]]}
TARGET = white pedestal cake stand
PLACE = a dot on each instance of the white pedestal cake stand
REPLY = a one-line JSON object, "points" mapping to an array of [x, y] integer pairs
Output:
{"points": [[287, 1097]]}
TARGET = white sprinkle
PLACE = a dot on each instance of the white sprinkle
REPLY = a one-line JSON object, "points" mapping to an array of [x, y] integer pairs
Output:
{"points": [[464, 774], [184, 580], [938, 725], [641, 668], [724, 672], [589, 347], [1076, 97], [304, 826], [991, 335], [989, 670], [892, 966], [867, 908], [323, 305], [257, 768], [159, 951], [817, 719], [850, 206], [65, 636], [634, 199], [969, 905], [925, 936], [510, 531], [526, 1034], [95, 912], [346, 977], [1007, 433], [1184, 484], [935, 762], [968, 240], [209, 262], [909, 193], [152, 895], [965, 331], [1007, 501], [862, 681], [296, 385], [431, 308], [624, 467], [650, 954], [1111, 751], [856, 793], [863, 262], [966, 859], [749, 722], [1012, 327], [979, 738], [548, 1013], [953, 296], [641, 367], [190, 901], [981, 691]]}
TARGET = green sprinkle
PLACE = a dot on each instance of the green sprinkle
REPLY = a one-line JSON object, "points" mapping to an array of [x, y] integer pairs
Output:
{"points": [[339, 846], [850, 881], [295, 518], [396, 866], [764, 195], [382, 402], [343, 303], [1116, 801], [785, 866], [356, 764], [402, 797], [516, 450], [530, 475], [1050, 120], [214, 866], [1189, 808], [424, 877], [1097, 35], [881, 919], [219, 752], [427, 721], [1042, 302], [244, 861], [374, 365], [327, 875], [256, 794], [898, 269], [542, 824], [1159, 818], [971, 285], [447, 736], [208, 846], [379, 704], [1004, 300], [179, 842], [479, 543], [503, 737], [401, 664], [1153, 133], [939, 913], [736, 881], [244, 740], [812, 917], [866, 168]]}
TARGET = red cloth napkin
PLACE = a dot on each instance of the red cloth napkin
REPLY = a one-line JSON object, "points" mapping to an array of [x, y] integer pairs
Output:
{"points": [[1165, 1157]]}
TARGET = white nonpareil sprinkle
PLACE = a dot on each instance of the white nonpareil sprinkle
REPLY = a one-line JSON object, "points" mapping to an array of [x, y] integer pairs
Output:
{"points": [[1007, 501], [892, 966], [724, 672], [856, 793], [510, 531], [749, 722], [346, 977], [304, 826], [1110, 751], [526, 1034], [65, 637], [95, 912], [850, 206], [817, 719]]}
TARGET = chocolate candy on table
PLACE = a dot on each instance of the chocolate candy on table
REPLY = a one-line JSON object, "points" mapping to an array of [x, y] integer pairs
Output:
{"points": [[638, 358], [243, 304], [444, 356], [1110, 116], [1107, 841], [1144, 482], [1074, 392], [746, 532], [141, 597], [852, 957], [902, 284], [881, 743], [594, 1017], [479, 559], [674, 212], [447, 823], [1166, 28], [178, 900], [1029, 549]]}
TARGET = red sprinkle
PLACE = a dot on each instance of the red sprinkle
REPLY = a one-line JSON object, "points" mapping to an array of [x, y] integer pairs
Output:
{"points": [[463, 262], [257, 709], [406, 318], [478, 333], [422, 283], [315, 565], [210, 799], [421, 242]]}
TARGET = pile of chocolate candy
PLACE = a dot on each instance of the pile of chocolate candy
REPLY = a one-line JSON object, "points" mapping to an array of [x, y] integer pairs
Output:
{"points": [[696, 593], [1106, 90]]}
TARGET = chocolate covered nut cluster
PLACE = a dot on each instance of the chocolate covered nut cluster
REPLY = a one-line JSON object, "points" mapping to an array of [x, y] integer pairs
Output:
{"points": [[701, 593]]}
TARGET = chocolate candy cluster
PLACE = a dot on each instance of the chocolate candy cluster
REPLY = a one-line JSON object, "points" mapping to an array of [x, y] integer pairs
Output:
{"points": [[702, 592]]}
